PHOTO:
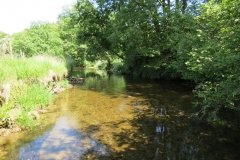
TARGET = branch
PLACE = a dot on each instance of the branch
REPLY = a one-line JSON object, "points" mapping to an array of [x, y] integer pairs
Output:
{"points": [[119, 56]]}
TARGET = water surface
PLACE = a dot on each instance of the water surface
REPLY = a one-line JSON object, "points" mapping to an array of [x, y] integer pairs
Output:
{"points": [[117, 117]]}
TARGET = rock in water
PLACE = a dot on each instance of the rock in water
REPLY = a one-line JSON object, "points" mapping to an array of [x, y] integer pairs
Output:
{"points": [[4, 132], [34, 114]]}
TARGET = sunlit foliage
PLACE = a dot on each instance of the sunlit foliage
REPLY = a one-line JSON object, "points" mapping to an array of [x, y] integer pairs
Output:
{"points": [[40, 38]]}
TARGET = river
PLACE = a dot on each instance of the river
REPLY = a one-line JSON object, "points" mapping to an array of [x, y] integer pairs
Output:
{"points": [[122, 118]]}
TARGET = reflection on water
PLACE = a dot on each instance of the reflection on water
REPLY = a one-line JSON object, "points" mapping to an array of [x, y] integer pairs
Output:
{"points": [[62, 142], [116, 117]]}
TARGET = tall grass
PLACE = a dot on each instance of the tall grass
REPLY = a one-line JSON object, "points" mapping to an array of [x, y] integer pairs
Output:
{"points": [[33, 96], [25, 120], [24, 69], [4, 112], [28, 96]]}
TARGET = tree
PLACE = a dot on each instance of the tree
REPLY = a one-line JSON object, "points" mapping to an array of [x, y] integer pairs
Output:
{"points": [[2, 34], [167, 39], [215, 58], [40, 38], [69, 27], [146, 34], [93, 31], [6, 45]]}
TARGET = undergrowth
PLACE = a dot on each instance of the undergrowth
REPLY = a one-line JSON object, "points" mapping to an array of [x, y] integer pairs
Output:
{"points": [[33, 96], [27, 90], [25, 120], [30, 68]]}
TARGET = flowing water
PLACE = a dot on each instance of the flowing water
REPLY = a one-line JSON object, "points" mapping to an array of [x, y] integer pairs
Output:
{"points": [[117, 117]]}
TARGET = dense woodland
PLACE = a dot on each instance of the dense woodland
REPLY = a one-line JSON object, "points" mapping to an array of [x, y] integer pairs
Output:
{"points": [[193, 40]]}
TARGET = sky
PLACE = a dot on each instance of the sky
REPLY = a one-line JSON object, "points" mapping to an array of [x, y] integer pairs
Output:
{"points": [[17, 15]]}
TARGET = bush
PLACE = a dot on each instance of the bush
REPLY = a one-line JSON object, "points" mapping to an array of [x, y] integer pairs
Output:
{"points": [[215, 57], [118, 67]]}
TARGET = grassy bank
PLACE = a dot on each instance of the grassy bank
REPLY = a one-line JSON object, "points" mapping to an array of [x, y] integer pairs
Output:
{"points": [[27, 85]]}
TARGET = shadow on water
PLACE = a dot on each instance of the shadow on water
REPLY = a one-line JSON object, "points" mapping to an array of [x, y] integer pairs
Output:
{"points": [[117, 117]]}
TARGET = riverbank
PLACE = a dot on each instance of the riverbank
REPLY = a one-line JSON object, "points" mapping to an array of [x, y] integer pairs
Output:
{"points": [[27, 86]]}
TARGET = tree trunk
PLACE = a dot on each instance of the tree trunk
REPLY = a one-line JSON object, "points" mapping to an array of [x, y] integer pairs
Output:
{"points": [[22, 54], [184, 6], [177, 5], [163, 6], [10, 49], [169, 5], [4, 47]]}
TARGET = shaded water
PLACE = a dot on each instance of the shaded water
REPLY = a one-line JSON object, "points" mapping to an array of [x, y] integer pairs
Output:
{"points": [[117, 117]]}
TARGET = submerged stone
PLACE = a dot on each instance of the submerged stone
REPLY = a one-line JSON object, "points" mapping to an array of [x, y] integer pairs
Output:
{"points": [[4, 132]]}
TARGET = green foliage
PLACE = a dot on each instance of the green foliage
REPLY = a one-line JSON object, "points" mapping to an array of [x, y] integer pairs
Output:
{"points": [[25, 120], [33, 96], [92, 30], [4, 112], [7, 71], [30, 68], [164, 39], [215, 58], [118, 67], [68, 29], [26, 95], [40, 38], [69, 62], [2, 34], [64, 83], [145, 35]]}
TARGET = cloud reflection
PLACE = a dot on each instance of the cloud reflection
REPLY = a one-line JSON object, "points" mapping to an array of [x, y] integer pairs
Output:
{"points": [[62, 142]]}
